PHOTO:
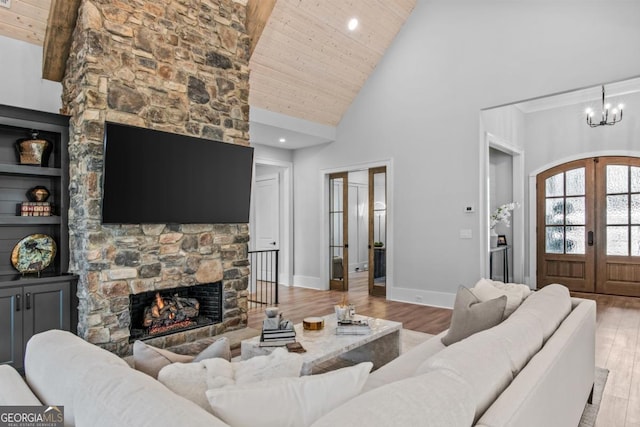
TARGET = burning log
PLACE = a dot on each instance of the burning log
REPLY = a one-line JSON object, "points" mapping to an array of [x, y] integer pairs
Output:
{"points": [[169, 311]]}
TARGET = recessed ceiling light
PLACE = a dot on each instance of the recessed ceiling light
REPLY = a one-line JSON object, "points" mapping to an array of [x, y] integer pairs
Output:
{"points": [[282, 140], [353, 24]]}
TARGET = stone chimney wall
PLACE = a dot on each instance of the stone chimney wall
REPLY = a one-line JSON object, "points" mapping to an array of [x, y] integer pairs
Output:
{"points": [[178, 66]]}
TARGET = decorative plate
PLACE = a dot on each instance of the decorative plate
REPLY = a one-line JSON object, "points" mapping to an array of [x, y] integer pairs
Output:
{"points": [[34, 253]]}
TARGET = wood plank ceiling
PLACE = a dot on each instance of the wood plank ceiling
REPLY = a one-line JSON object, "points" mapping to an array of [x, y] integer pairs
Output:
{"points": [[25, 20], [306, 64]]}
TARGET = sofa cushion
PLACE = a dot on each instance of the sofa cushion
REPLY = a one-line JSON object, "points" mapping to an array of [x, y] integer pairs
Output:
{"points": [[192, 380], [481, 361], [56, 363], [150, 360], [550, 305], [435, 399], [470, 315], [288, 402], [404, 366], [486, 290], [121, 396], [14, 391]]}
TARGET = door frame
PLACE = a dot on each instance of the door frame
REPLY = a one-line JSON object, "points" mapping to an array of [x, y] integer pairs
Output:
{"points": [[533, 258], [517, 154], [324, 206], [285, 275]]}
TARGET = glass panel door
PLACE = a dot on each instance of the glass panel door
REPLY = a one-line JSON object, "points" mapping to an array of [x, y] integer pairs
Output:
{"points": [[338, 232], [378, 231]]}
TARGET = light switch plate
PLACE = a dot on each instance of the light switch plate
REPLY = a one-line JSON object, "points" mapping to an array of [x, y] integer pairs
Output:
{"points": [[469, 209], [5, 3], [466, 233]]}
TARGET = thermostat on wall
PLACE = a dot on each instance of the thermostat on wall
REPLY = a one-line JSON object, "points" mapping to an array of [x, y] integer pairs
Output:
{"points": [[469, 209]]}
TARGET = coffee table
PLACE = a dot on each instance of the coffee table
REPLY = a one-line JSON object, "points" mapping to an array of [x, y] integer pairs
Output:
{"points": [[380, 346]]}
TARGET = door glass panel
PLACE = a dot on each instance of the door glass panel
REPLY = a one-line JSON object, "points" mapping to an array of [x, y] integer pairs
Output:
{"points": [[336, 228], [617, 179], [575, 211], [617, 210], [635, 209], [575, 240], [575, 182], [555, 240], [555, 185], [555, 211], [618, 241], [635, 240], [635, 179], [379, 229]]}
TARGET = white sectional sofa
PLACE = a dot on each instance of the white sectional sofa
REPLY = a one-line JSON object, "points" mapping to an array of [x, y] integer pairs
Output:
{"points": [[536, 368]]}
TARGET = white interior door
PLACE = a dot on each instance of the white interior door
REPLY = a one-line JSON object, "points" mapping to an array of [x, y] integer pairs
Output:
{"points": [[267, 219], [267, 224]]}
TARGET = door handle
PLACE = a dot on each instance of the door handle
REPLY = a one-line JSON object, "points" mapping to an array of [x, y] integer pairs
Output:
{"points": [[273, 243], [590, 238], [346, 246], [18, 308], [28, 303]]}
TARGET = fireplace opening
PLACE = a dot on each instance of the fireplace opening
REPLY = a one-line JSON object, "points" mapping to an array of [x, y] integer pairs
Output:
{"points": [[157, 313]]}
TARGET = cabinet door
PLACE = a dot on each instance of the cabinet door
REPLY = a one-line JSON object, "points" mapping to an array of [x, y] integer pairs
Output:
{"points": [[46, 307], [11, 309]]}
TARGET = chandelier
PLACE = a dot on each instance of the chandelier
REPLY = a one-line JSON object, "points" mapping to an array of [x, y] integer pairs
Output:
{"points": [[616, 114]]}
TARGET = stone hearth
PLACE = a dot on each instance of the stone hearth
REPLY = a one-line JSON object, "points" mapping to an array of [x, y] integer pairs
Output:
{"points": [[177, 66]]}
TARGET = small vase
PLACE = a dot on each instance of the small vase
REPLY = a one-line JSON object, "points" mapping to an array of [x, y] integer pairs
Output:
{"points": [[34, 150], [493, 238]]}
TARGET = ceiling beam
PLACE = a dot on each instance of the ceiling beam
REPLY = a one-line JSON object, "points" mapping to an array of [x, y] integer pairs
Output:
{"points": [[258, 12], [57, 40]]}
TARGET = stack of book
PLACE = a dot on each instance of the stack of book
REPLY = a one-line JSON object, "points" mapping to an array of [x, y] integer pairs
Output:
{"points": [[353, 327], [277, 337], [35, 209]]}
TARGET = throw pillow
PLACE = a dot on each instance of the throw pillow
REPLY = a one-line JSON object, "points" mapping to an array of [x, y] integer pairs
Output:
{"points": [[150, 359], [192, 380], [219, 348], [288, 402], [471, 316], [486, 290]]}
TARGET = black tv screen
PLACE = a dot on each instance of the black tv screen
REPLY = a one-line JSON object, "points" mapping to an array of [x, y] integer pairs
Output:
{"points": [[153, 177]]}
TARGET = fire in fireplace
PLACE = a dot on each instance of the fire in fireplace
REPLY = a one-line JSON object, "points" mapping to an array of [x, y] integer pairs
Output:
{"points": [[157, 313]]}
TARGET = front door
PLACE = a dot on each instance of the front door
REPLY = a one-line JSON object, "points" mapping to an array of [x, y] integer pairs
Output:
{"points": [[588, 214]]}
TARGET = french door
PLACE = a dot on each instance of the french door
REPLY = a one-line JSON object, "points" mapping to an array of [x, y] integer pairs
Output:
{"points": [[588, 225], [339, 231]]}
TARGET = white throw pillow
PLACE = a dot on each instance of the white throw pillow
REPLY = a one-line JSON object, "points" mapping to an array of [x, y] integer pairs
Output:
{"points": [[192, 380], [486, 290], [287, 402], [218, 348]]}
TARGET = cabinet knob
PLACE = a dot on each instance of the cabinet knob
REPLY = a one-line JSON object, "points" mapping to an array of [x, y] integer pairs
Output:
{"points": [[18, 298], [28, 304]]}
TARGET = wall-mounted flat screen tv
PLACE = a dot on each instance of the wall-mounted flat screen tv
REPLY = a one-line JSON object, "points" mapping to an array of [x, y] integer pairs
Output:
{"points": [[153, 177]]}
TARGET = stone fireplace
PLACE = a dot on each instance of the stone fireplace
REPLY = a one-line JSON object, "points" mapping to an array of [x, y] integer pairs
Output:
{"points": [[177, 66]]}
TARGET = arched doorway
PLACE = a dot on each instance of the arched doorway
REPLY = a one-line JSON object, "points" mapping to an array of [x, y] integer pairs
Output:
{"points": [[588, 225]]}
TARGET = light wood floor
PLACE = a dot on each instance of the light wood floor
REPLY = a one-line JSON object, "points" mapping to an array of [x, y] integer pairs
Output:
{"points": [[618, 349], [617, 335]]}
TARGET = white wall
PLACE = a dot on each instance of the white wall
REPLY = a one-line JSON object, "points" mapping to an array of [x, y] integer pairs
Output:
{"points": [[265, 152], [420, 107], [21, 83], [553, 136]]}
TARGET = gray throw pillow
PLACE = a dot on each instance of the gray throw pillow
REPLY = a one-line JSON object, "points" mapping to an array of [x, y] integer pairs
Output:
{"points": [[471, 316], [219, 348]]}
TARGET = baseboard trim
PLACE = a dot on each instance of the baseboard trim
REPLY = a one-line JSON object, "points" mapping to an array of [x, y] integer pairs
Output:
{"points": [[308, 282], [421, 297]]}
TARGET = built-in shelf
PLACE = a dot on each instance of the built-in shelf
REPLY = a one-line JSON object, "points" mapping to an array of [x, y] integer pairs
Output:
{"points": [[29, 220], [29, 170]]}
